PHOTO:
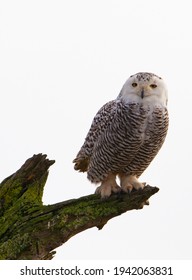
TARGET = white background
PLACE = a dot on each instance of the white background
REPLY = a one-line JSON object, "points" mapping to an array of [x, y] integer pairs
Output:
{"points": [[60, 61]]}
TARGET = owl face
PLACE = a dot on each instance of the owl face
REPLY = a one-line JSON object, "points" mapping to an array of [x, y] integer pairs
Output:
{"points": [[145, 88]]}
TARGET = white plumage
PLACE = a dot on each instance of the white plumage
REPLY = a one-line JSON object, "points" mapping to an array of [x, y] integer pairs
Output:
{"points": [[125, 135]]}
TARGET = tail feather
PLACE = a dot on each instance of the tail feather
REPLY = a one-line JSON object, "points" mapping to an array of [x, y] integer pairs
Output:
{"points": [[81, 163]]}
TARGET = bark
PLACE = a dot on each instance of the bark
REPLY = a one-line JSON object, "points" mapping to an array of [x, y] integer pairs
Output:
{"points": [[30, 230]]}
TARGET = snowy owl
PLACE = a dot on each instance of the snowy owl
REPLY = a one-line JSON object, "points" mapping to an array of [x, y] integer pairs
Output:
{"points": [[125, 135]]}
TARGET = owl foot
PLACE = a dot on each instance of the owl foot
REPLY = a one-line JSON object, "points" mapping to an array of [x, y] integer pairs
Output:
{"points": [[130, 182], [107, 187]]}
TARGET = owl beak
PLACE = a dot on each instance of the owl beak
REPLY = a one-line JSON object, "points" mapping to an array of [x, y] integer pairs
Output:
{"points": [[142, 93]]}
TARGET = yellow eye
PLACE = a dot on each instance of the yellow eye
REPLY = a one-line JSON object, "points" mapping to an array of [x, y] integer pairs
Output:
{"points": [[134, 84], [153, 85]]}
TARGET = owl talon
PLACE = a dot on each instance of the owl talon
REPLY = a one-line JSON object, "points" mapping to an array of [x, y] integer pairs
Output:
{"points": [[130, 182], [141, 186], [127, 188], [108, 187], [100, 191], [106, 190]]}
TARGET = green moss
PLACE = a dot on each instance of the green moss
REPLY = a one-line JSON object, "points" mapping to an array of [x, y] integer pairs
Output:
{"points": [[12, 189], [10, 249], [78, 214], [9, 193]]}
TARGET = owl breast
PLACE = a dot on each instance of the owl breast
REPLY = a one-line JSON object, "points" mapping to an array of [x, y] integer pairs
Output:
{"points": [[130, 141]]}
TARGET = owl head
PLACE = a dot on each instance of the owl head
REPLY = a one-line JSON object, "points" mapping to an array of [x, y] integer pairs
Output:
{"points": [[145, 88]]}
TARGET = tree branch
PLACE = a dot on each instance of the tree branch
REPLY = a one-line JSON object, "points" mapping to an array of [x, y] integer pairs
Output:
{"points": [[31, 230]]}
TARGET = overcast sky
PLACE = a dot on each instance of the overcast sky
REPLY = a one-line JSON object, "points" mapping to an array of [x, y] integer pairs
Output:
{"points": [[60, 61]]}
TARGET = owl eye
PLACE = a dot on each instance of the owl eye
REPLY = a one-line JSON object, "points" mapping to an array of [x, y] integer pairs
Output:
{"points": [[134, 84], [153, 86]]}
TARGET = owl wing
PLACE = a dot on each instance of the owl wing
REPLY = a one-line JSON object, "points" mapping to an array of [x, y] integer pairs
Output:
{"points": [[101, 121]]}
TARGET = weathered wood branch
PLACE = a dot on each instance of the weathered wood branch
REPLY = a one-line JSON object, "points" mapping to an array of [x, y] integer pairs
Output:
{"points": [[31, 230]]}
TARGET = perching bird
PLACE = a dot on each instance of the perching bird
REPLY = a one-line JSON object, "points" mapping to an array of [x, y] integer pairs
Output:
{"points": [[125, 135]]}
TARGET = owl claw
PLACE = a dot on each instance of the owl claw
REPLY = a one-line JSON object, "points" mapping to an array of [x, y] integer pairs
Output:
{"points": [[108, 187], [130, 182], [106, 190], [127, 188]]}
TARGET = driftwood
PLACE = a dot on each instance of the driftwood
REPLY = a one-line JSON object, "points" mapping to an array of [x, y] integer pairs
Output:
{"points": [[31, 230]]}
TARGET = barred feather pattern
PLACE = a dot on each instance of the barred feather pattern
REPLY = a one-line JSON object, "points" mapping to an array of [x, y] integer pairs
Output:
{"points": [[100, 123], [123, 138]]}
